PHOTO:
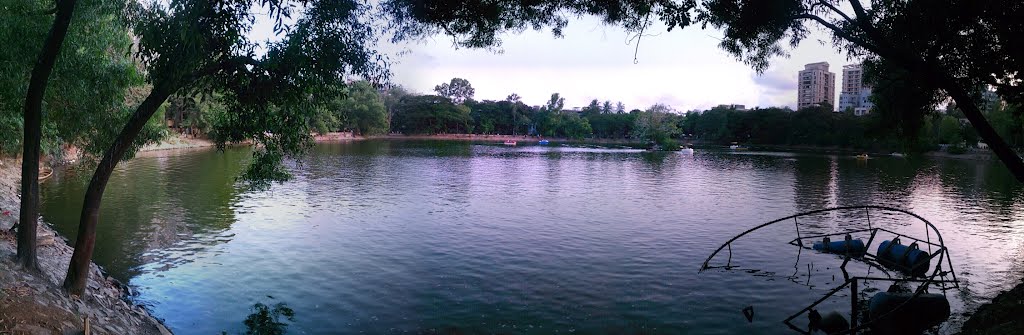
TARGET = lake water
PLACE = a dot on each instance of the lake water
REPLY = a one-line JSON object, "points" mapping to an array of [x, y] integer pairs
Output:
{"points": [[389, 237]]}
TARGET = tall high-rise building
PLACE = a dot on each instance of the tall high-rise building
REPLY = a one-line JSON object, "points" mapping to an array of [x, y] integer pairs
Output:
{"points": [[815, 86], [855, 93]]}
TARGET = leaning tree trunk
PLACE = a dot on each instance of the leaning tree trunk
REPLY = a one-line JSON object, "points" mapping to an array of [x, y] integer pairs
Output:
{"points": [[28, 219], [996, 143], [78, 270]]}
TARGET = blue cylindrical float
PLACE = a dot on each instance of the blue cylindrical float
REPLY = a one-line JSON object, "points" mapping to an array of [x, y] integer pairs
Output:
{"points": [[849, 246], [906, 258]]}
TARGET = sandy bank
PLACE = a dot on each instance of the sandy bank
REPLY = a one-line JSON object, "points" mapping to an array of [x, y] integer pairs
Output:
{"points": [[179, 142]]}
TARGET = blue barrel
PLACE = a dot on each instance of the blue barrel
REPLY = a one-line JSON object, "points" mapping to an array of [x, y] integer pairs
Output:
{"points": [[919, 314], [906, 258], [853, 247]]}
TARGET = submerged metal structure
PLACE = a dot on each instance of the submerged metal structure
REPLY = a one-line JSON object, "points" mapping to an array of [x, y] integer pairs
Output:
{"points": [[941, 278]]}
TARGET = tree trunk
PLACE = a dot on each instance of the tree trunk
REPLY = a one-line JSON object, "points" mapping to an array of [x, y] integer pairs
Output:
{"points": [[78, 270], [995, 142], [29, 216]]}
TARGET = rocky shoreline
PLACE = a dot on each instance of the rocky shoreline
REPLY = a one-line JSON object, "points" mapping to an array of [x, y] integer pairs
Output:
{"points": [[34, 303], [1004, 315]]}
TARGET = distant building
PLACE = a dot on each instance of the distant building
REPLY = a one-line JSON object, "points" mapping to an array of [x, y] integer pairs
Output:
{"points": [[815, 86], [736, 107], [855, 93], [990, 99]]}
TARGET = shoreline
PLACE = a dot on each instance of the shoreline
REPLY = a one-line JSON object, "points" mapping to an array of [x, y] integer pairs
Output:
{"points": [[497, 138], [1001, 316], [973, 155], [35, 303], [178, 142], [183, 142]]}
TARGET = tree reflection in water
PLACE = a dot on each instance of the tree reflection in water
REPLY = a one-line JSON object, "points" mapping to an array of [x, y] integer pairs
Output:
{"points": [[267, 320]]}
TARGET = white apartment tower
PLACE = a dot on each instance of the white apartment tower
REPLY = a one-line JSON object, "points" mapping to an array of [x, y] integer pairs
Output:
{"points": [[855, 93], [815, 86]]}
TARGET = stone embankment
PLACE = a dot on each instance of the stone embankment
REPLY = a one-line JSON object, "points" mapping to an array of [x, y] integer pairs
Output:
{"points": [[34, 303]]}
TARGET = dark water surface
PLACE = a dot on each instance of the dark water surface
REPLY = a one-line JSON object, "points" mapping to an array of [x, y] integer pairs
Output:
{"points": [[386, 237]]}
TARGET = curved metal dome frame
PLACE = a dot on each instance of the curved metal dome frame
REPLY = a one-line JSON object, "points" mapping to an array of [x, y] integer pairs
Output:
{"points": [[938, 277]]}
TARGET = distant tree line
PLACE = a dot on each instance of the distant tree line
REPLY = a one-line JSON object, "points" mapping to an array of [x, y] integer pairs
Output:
{"points": [[365, 110], [815, 126]]}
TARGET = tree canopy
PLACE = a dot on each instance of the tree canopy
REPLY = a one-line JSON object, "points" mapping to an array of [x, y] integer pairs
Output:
{"points": [[88, 90], [458, 90]]}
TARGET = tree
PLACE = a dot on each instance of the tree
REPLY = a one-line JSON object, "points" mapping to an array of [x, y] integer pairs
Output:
{"points": [[75, 103], [192, 45], [193, 114], [361, 110], [1006, 119], [606, 108], [458, 90], [430, 114], [949, 131], [977, 42], [620, 107], [391, 98], [656, 125], [26, 255], [516, 101], [555, 104]]}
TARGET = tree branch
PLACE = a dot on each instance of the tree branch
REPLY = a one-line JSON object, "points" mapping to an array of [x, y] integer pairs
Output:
{"points": [[839, 32], [864, 22], [837, 11], [858, 9]]}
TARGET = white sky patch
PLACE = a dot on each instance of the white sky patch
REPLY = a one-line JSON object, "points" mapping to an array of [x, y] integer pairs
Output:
{"points": [[683, 68]]}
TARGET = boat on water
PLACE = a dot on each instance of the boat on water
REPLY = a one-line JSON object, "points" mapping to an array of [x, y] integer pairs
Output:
{"points": [[862, 157], [543, 142], [686, 151], [898, 154], [737, 147], [918, 270], [510, 143]]}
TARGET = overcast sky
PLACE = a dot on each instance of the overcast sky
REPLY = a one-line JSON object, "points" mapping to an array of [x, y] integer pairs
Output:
{"points": [[684, 69]]}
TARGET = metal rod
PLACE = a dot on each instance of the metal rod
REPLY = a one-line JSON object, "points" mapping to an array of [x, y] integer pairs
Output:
{"points": [[816, 302], [729, 262], [836, 234], [798, 238], [868, 213], [913, 280], [867, 247], [853, 307], [928, 234]]}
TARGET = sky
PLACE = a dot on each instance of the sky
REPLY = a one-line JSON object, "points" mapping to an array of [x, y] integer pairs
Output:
{"points": [[684, 69]]}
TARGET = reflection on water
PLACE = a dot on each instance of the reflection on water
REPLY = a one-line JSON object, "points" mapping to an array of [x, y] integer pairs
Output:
{"points": [[392, 237]]}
